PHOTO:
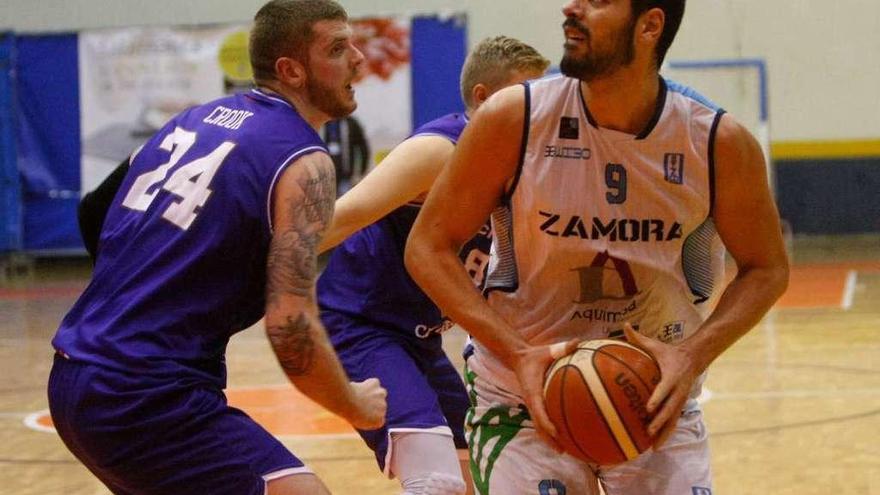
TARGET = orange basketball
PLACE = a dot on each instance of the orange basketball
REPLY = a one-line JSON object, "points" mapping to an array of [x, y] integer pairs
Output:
{"points": [[597, 397]]}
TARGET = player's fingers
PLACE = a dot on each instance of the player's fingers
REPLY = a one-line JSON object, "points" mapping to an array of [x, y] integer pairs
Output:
{"points": [[382, 391], [666, 432], [539, 415], [670, 410], [561, 349], [545, 428], [660, 394], [635, 338]]}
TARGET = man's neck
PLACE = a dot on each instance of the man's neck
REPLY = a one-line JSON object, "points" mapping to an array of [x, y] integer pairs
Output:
{"points": [[624, 101], [315, 118]]}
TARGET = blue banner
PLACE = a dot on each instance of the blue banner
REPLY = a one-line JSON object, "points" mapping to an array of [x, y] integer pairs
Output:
{"points": [[439, 47], [10, 188], [48, 139]]}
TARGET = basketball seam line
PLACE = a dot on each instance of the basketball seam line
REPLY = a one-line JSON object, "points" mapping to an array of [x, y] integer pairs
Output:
{"points": [[615, 422], [562, 406], [601, 415], [632, 371]]}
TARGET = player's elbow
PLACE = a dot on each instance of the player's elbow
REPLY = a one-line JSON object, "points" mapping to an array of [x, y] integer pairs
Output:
{"points": [[421, 257], [779, 277], [773, 279], [413, 257]]}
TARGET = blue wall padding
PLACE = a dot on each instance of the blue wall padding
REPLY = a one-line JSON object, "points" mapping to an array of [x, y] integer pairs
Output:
{"points": [[47, 105], [10, 185], [439, 47], [834, 196]]}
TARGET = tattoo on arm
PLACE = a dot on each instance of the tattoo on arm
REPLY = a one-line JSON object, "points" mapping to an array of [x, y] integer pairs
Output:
{"points": [[293, 345], [292, 260], [320, 196]]}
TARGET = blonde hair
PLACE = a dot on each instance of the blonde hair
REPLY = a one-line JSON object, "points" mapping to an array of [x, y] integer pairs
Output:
{"points": [[492, 60]]}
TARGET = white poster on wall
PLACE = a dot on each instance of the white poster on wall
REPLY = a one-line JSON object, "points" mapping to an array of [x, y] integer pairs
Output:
{"points": [[132, 80]]}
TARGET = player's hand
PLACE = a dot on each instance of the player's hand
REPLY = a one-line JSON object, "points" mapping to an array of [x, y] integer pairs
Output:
{"points": [[677, 376], [370, 404], [530, 366]]}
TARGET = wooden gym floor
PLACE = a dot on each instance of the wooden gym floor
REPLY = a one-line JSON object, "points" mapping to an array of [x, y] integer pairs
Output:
{"points": [[793, 408]]}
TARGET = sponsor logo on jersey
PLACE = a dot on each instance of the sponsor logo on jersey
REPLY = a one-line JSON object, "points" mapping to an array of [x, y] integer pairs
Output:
{"points": [[602, 314], [567, 152], [568, 128], [606, 278], [673, 167], [615, 229], [699, 490], [672, 332], [424, 331]]}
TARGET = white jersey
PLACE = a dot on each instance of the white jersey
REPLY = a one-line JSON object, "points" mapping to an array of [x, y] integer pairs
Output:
{"points": [[601, 227]]}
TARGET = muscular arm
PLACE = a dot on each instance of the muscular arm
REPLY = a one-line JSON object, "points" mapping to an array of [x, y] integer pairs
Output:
{"points": [[749, 226], [461, 199], [303, 205], [408, 171], [748, 223]]}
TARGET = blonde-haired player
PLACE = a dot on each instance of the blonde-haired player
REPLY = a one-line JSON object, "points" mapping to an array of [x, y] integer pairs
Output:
{"points": [[381, 324]]}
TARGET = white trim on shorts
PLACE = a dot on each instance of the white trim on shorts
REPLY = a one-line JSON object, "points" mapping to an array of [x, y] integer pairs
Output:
{"points": [[436, 430], [281, 473]]}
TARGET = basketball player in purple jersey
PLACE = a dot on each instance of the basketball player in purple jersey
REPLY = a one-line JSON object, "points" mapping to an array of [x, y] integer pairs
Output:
{"points": [[215, 225], [380, 322], [613, 194]]}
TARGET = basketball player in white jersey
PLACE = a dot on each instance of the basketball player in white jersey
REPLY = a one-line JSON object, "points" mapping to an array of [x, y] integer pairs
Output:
{"points": [[613, 194]]}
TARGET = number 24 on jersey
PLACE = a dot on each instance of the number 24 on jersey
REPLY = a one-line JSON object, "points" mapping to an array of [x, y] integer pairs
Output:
{"points": [[192, 193]]}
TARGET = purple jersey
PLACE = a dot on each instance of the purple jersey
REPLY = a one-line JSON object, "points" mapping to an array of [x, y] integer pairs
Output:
{"points": [[366, 279], [183, 249]]}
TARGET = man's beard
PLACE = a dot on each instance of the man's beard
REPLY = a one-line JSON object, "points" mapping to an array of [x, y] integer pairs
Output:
{"points": [[593, 64], [327, 100]]}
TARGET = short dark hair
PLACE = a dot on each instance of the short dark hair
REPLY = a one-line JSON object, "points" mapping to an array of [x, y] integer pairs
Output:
{"points": [[674, 11], [284, 28]]}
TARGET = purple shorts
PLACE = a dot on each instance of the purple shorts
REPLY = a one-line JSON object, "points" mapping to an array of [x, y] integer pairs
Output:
{"points": [[425, 392], [140, 435]]}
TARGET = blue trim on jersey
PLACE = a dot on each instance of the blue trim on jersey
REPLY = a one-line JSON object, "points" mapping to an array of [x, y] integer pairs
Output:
{"points": [[691, 93], [658, 112], [659, 105], [523, 145], [711, 157], [267, 96], [589, 115], [505, 250]]}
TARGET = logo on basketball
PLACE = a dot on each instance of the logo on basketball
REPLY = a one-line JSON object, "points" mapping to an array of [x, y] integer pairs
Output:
{"points": [[597, 398], [636, 400]]}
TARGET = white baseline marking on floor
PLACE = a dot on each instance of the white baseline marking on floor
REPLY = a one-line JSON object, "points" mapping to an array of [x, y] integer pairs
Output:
{"points": [[849, 290]]}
